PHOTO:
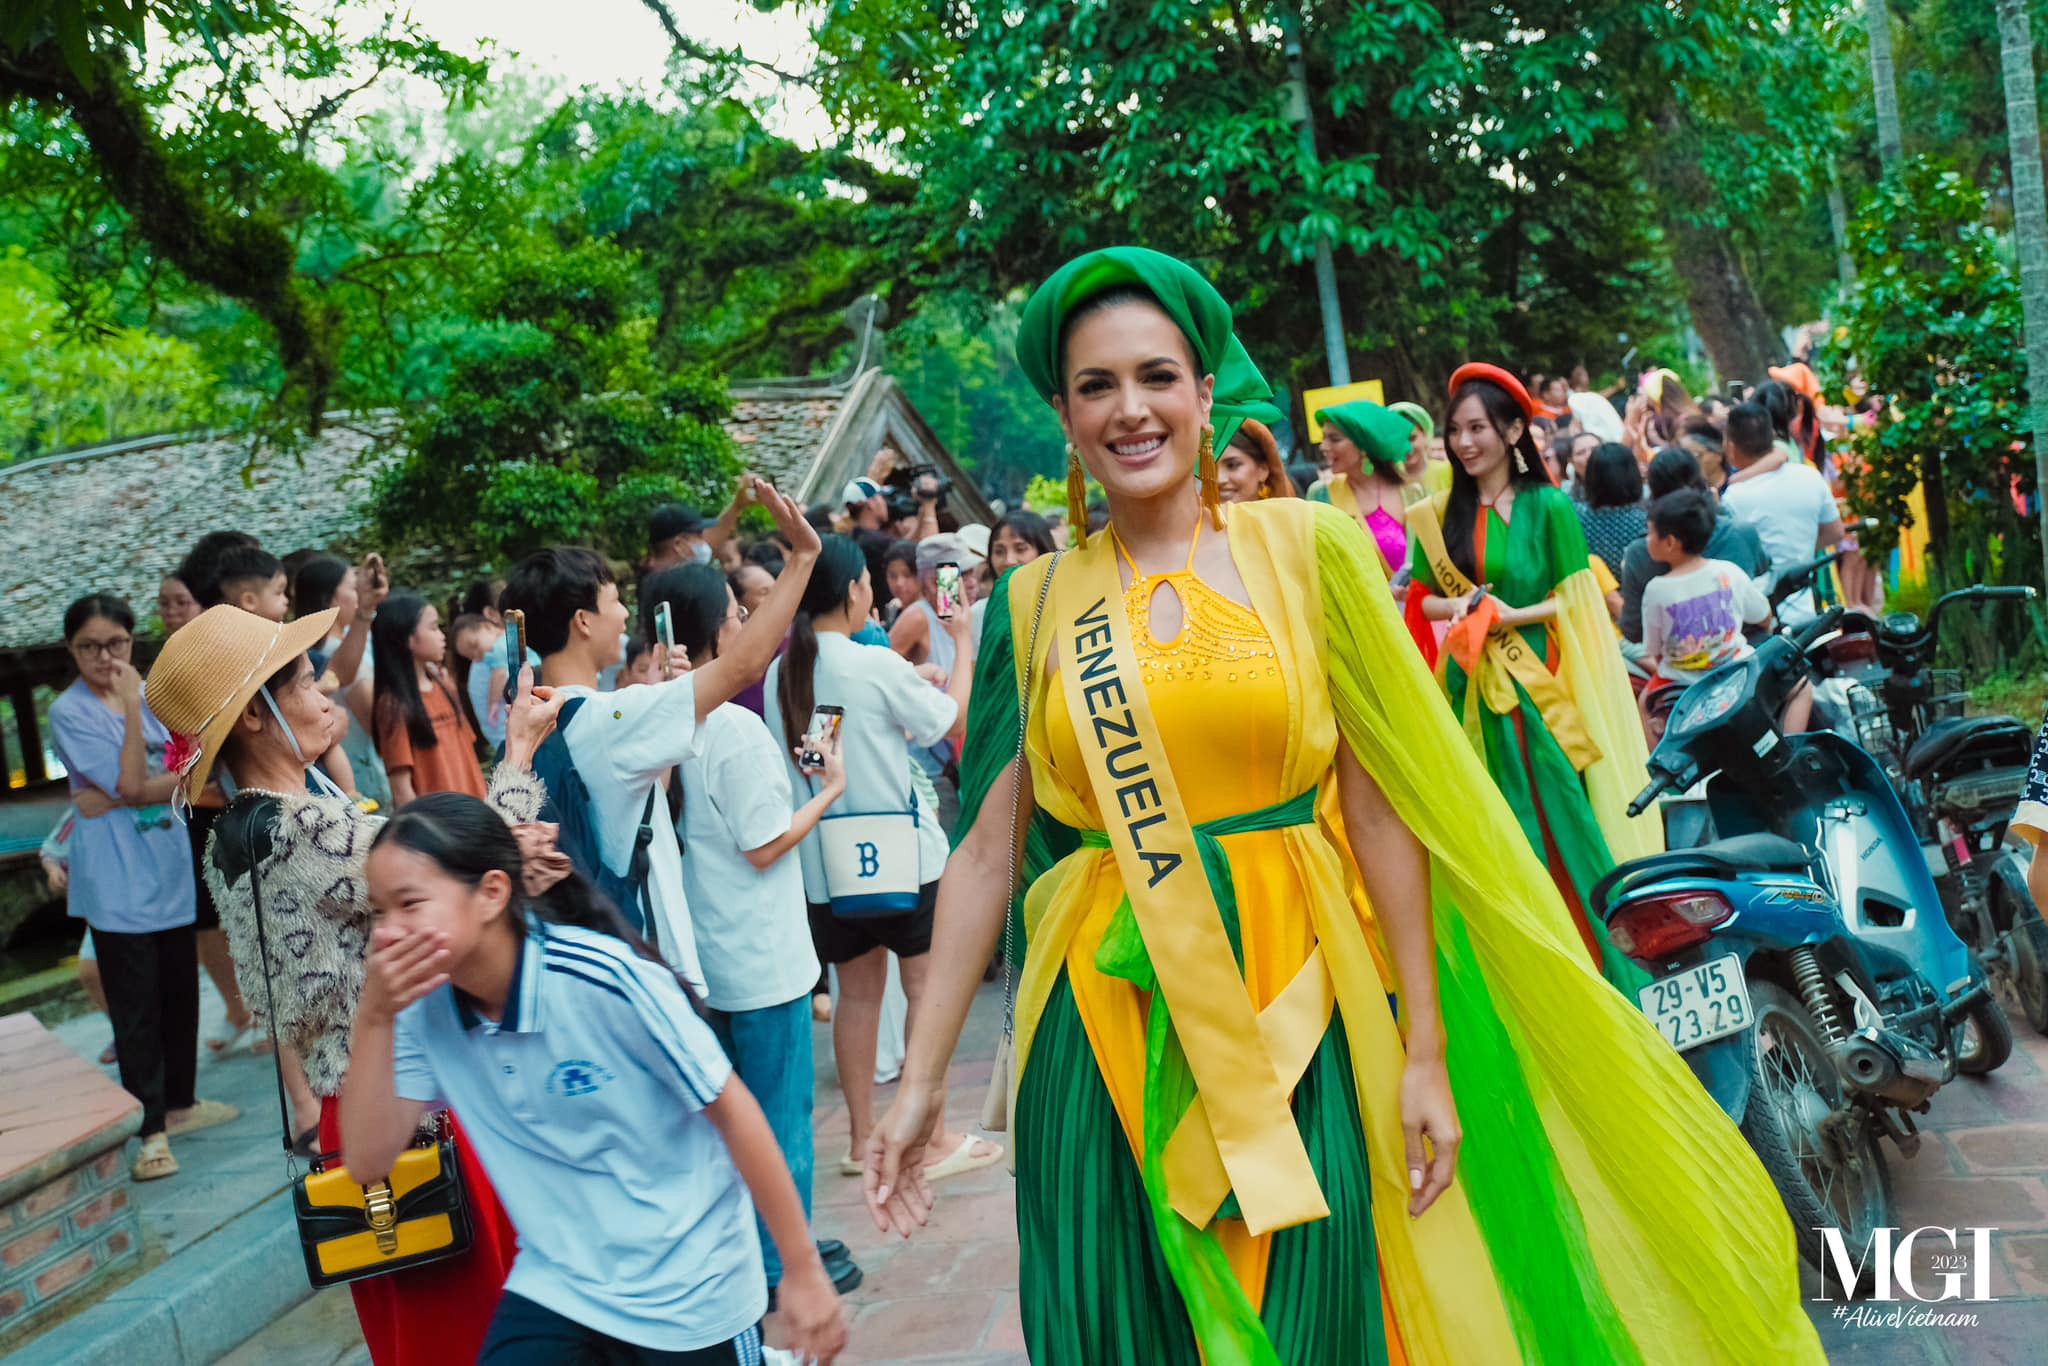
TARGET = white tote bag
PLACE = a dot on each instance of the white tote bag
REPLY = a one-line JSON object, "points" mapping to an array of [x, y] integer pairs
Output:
{"points": [[871, 863]]}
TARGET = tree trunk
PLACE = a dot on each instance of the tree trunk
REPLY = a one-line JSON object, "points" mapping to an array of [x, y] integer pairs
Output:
{"points": [[2030, 230], [1884, 85], [1838, 220], [1738, 334]]}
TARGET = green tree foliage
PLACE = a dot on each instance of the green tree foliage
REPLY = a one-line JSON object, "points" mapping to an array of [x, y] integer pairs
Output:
{"points": [[1483, 170], [1931, 324], [555, 425], [62, 386], [958, 363]]}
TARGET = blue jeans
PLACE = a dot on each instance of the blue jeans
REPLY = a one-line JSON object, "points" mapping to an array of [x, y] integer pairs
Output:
{"points": [[770, 1048]]}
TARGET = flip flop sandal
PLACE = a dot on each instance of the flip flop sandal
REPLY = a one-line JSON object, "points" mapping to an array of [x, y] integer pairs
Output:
{"points": [[235, 1036], [850, 1165], [963, 1159], [307, 1145], [155, 1161], [204, 1114]]}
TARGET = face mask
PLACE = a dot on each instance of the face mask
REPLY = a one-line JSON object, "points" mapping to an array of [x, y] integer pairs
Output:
{"points": [[701, 552]]}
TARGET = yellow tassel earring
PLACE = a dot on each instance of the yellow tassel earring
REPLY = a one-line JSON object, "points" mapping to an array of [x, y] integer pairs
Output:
{"points": [[1077, 499], [1205, 474]]}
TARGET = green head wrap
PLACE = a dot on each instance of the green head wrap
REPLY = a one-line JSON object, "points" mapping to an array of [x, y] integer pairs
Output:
{"points": [[1380, 432], [1416, 414], [1183, 293]]}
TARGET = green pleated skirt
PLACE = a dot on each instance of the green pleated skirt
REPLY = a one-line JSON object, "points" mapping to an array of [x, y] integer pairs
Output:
{"points": [[1094, 1287]]}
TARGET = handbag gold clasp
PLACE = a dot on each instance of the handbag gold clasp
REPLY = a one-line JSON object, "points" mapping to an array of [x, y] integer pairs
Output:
{"points": [[382, 1212]]}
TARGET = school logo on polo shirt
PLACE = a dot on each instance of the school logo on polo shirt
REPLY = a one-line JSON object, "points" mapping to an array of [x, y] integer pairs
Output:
{"points": [[576, 1077]]}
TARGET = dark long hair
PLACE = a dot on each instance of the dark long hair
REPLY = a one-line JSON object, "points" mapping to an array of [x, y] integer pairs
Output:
{"points": [[1028, 527], [314, 586], [697, 598], [396, 687], [466, 838], [840, 565], [1613, 478], [460, 664], [1525, 469], [1793, 416]]}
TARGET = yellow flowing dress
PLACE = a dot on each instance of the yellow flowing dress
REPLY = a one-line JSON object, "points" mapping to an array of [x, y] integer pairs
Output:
{"points": [[1606, 1210]]}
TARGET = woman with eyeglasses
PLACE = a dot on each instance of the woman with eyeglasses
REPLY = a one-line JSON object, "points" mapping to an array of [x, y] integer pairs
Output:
{"points": [[131, 878]]}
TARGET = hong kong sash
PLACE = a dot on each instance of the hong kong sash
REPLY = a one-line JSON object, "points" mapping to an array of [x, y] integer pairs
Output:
{"points": [[1507, 659], [1241, 1097]]}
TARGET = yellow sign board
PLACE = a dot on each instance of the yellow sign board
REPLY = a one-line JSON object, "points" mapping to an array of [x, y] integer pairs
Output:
{"points": [[1315, 400]]}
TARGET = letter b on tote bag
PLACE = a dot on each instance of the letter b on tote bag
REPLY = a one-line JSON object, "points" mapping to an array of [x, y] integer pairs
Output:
{"points": [[871, 865]]}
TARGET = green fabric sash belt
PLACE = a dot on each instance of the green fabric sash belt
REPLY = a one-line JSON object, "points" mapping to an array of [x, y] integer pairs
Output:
{"points": [[1123, 949], [1226, 1323]]}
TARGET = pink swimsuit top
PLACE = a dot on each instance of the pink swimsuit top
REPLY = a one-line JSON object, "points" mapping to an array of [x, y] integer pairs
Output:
{"points": [[1391, 534]]}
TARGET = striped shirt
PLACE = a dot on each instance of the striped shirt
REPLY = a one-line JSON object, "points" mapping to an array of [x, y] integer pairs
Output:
{"points": [[585, 1105]]}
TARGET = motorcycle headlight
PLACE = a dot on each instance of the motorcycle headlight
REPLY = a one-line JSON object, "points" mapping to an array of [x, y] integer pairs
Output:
{"points": [[1708, 700]]}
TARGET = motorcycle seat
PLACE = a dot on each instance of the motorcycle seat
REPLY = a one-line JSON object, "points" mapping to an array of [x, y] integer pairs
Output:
{"points": [[1758, 853], [1945, 739]]}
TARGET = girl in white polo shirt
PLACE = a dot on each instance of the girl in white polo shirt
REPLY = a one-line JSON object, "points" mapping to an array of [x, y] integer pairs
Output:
{"points": [[628, 1154]]}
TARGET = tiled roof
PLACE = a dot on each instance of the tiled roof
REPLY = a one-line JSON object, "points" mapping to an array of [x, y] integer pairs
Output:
{"points": [[780, 435], [116, 518]]}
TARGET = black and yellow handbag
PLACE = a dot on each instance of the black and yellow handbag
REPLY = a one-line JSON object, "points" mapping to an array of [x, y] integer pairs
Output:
{"points": [[419, 1213]]}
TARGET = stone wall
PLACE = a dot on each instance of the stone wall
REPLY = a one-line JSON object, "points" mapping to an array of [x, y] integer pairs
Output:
{"points": [[64, 1236]]}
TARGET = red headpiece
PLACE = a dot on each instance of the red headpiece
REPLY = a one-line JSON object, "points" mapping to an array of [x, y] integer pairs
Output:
{"points": [[1496, 375]]}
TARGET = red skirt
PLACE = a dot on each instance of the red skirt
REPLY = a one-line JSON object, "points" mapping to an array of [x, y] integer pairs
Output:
{"points": [[433, 1315]]}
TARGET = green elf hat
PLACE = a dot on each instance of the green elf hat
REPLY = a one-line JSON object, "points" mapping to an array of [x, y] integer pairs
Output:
{"points": [[1183, 293], [1380, 432], [1417, 415]]}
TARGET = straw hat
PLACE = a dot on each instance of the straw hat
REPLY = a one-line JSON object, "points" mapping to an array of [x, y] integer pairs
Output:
{"points": [[210, 668]]}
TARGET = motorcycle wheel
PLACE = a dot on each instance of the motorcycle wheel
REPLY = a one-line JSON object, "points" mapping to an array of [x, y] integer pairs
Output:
{"points": [[2029, 972], [1837, 1180], [1983, 1040]]}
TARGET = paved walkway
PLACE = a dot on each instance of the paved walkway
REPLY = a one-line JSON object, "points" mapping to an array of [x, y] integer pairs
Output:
{"points": [[949, 1296]]}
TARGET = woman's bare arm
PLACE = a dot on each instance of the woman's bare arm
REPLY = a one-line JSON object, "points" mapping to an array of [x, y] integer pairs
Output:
{"points": [[1394, 866]]}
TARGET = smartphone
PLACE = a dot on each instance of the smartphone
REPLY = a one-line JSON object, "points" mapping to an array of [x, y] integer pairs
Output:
{"points": [[949, 589], [665, 634], [515, 652], [824, 729], [1738, 391]]}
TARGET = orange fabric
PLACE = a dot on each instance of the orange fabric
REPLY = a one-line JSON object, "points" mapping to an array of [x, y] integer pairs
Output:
{"points": [[1467, 640], [449, 765]]}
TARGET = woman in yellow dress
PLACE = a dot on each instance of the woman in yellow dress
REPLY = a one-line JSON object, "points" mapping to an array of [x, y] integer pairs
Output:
{"points": [[1230, 1145]]}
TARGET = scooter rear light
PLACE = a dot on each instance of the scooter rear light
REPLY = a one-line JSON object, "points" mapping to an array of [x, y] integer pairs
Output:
{"points": [[1858, 648], [1657, 926]]}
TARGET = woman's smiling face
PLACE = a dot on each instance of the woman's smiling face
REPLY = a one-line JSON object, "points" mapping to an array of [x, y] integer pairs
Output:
{"points": [[1135, 401]]}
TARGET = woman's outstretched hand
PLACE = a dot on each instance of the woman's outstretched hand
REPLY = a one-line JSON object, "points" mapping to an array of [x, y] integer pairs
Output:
{"points": [[1428, 1112], [899, 1198]]}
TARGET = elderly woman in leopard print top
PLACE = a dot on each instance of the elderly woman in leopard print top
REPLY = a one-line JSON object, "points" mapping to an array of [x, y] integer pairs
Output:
{"points": [[240, 689]]}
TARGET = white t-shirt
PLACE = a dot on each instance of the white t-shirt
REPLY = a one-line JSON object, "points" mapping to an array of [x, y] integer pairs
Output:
{"points": [[622, 743], [886, 703], [753, 934], [1692, 622], [1788, 507]]}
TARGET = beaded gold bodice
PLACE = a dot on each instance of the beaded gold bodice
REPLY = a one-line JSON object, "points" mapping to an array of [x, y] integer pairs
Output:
{"points": [[1216, 693]]}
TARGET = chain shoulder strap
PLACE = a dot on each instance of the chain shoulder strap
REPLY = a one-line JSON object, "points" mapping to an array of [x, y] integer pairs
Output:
{"points": [[1017, 805], [284, 1109]]}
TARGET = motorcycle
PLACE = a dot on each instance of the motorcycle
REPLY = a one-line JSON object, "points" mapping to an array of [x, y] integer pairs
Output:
{"points": [[1960, 777], [1797, 962]]}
